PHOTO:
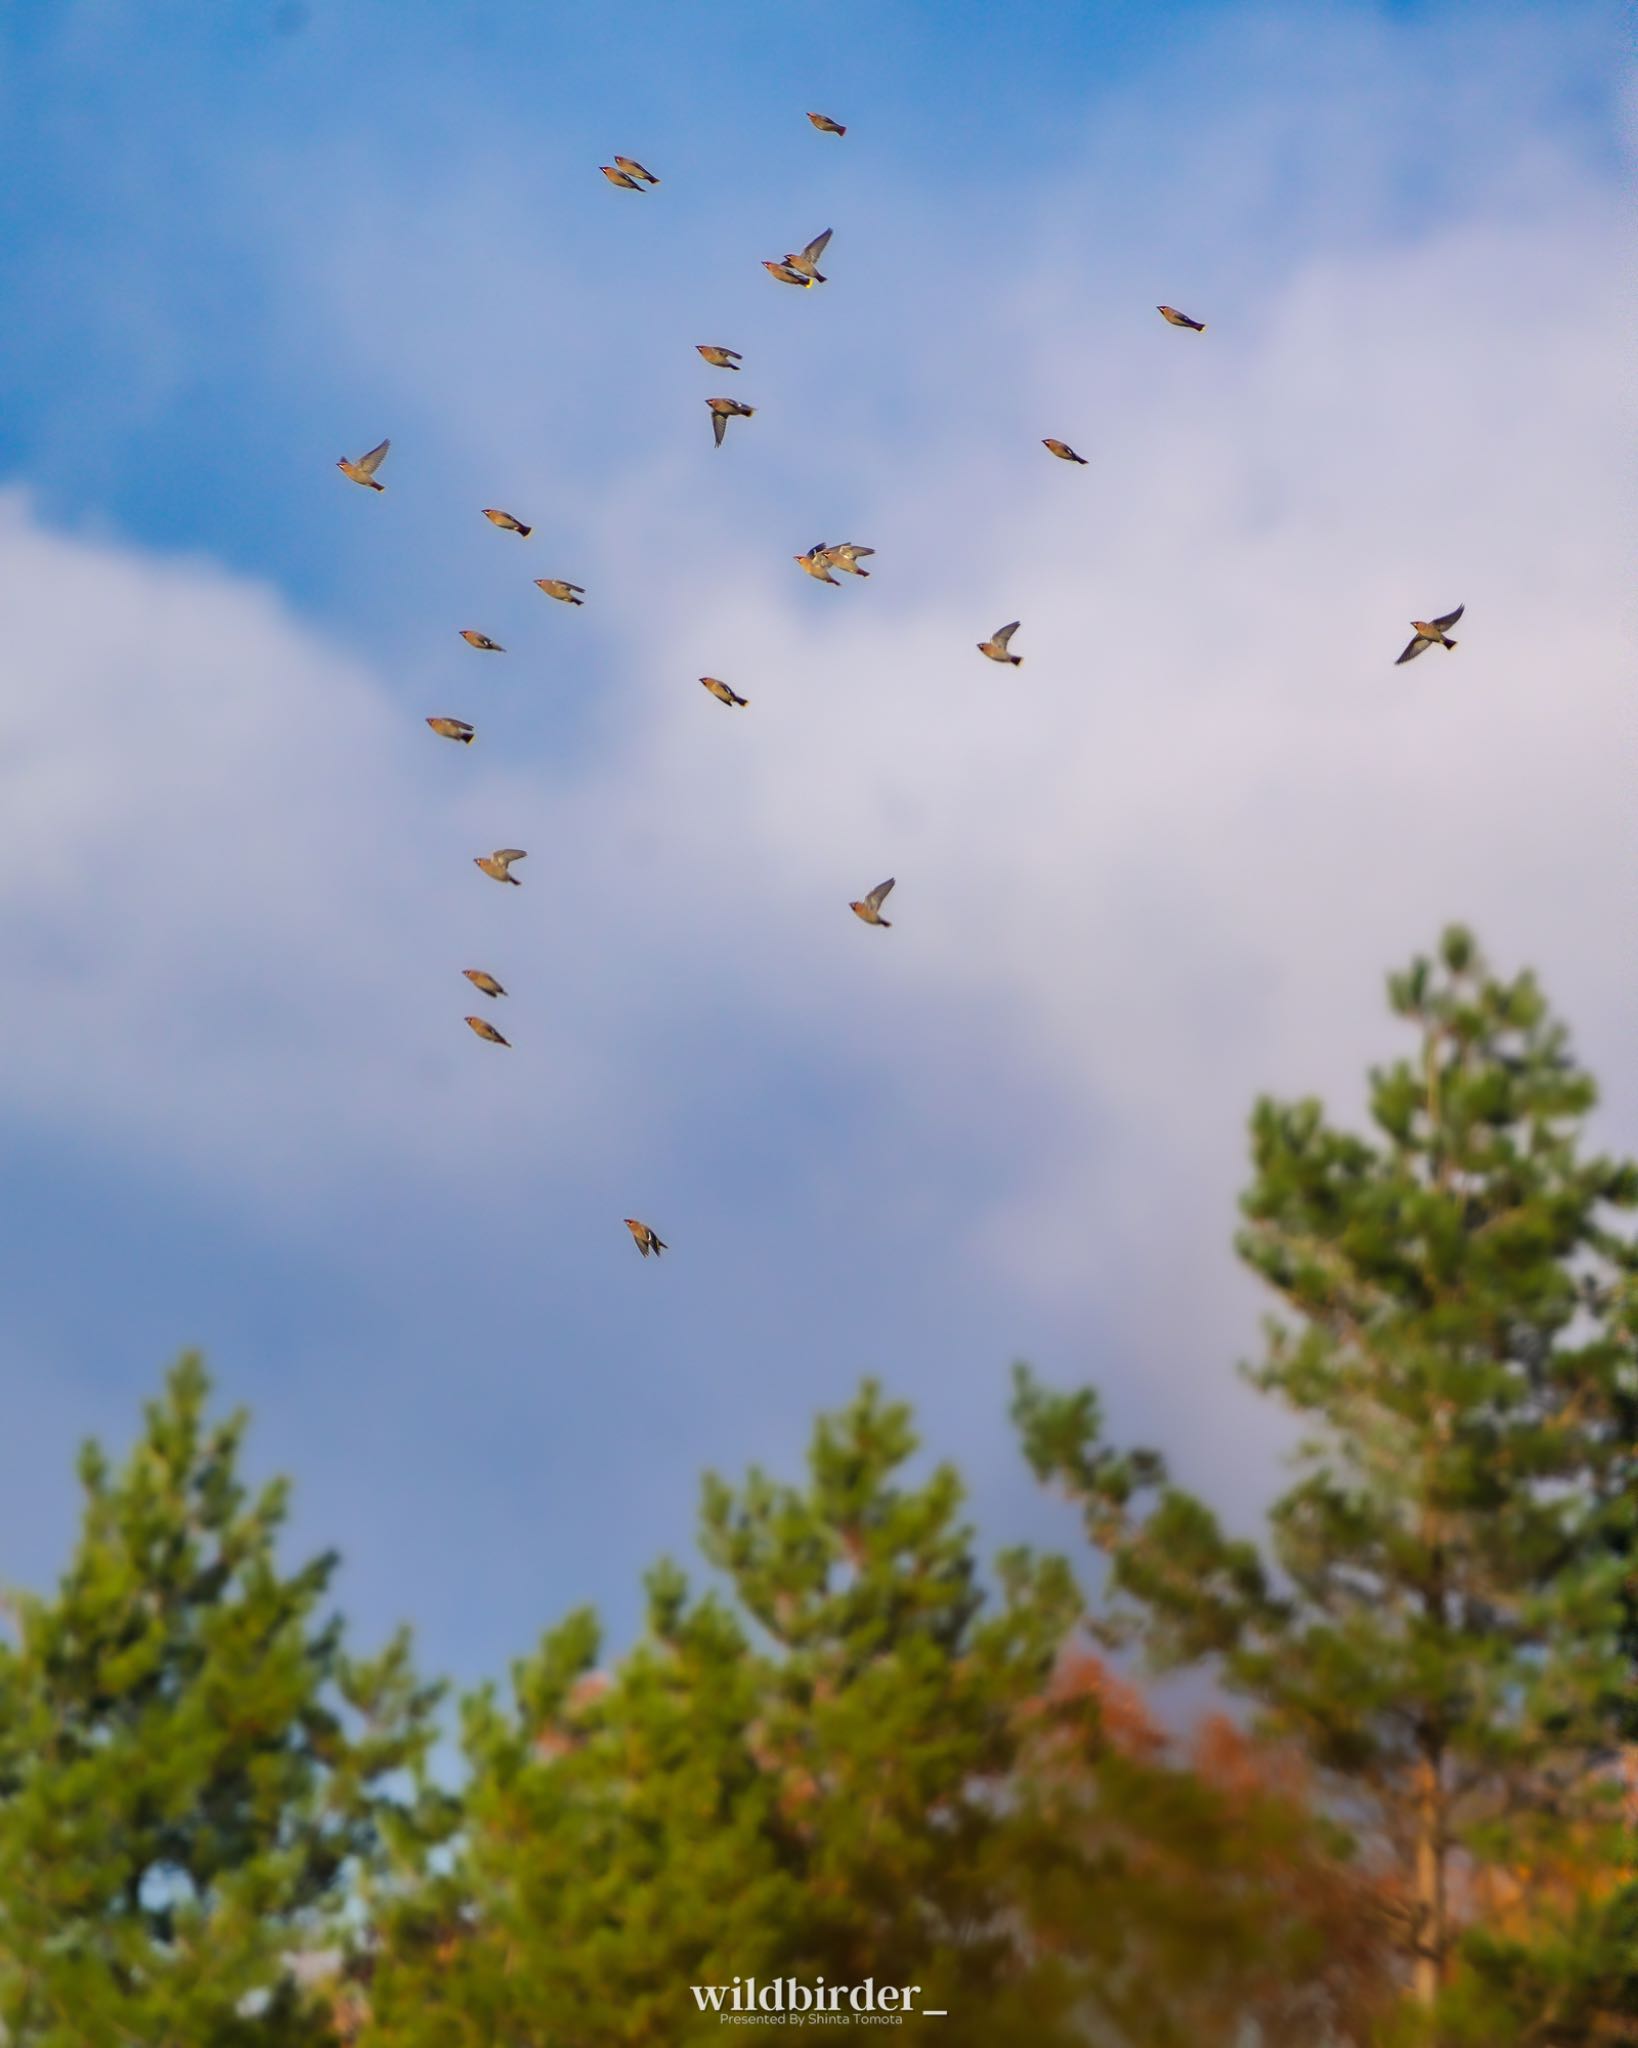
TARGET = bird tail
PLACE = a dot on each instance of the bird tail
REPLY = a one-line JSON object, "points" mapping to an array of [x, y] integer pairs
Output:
{"points": [[374, 486], [466, 738], [1450, 643], [861, 572], [886, 923], [840, 130], [516, 884], [524, 532], [1017, 660], [660, 1246], [1200, 327], [817, 279]]}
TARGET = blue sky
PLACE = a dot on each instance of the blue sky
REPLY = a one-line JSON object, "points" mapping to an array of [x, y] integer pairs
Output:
{"points": [[1163, 865]]}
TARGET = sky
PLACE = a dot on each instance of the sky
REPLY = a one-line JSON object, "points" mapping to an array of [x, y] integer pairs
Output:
{"points": [[1162, 867]]}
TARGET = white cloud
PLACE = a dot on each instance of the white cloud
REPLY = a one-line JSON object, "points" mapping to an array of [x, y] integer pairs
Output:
{"points": [[1161, 867]]}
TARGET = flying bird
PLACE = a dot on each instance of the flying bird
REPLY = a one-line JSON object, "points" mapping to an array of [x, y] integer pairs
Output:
{"points": [[816, 562], [725, 409], [826, 125], [785, 274], [1180, 319], [619, 178], [363, 470], [845, 555], [633, 169], [453, 729], [1428, 631], [721, 691], [565, 593], [1063, 451], [507, 522], [996, 646], [498, 864], [720, 358], [806, 261], [481, 641], [485, 1029], [485, 984], [647, 1240], [871, 908]]}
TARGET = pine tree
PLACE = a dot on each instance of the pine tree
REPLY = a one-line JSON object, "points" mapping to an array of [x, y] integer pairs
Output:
{"points": [[192, 1769], [805, 1779], [1444, 1625]]}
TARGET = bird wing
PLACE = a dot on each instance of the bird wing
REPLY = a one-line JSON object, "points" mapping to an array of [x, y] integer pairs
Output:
{"points": [[1414, 649], [509, 853], [1450, 618], [879, 895], [853, 550], [719, 426], [369, 464], [816, 248], [1004, 633]]}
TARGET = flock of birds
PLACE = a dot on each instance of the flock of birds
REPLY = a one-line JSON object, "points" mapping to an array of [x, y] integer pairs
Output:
{"points": [[799, 268]]}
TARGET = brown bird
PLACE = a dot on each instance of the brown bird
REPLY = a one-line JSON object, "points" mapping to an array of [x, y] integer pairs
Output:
{"points": [[806, 261], [826, 125], [507, 522], [481, 641], [721, 691], [498, 864], [871, 908], [1063, 451], [785, 274], [619, 178], [845, 556], [453, 729], [725, 409], [647, 1240], [720, 358], [1180, 319], [996, 646], [633, 169], [817, 563], [485, 984], [363, 470], [1428, 631], [485, 1029]]}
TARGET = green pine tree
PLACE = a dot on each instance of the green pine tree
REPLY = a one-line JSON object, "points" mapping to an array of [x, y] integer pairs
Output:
{"points": [[192, 1769], [1445, 1621], [803, 1778]]}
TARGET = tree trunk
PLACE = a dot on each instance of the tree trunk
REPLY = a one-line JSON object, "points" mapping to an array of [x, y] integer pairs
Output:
{"points": [[1428, 1975]]}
